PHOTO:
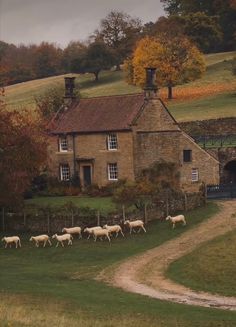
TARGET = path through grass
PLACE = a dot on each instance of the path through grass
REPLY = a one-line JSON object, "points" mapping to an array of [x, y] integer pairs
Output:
{"points": [[67, 275]]}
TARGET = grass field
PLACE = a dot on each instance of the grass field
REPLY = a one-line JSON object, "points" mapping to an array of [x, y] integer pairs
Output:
{"points": [[212, 96], [57, 287], [104, 204], [211, 267]]}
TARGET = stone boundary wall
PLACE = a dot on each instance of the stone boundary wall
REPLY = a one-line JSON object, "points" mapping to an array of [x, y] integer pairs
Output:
{"points": [[20, 223], [221, 126]]}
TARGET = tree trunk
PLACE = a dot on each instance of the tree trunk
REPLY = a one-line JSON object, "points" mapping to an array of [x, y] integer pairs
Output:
{"points": [[96, 76], [118, 67], [170, 95]]}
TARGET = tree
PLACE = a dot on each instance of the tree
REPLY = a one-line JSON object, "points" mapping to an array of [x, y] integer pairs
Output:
{"points": [[23, 152], [225, 10], [47, 60], [97, 57], [74, 51], [177, 61], [119, 31]]}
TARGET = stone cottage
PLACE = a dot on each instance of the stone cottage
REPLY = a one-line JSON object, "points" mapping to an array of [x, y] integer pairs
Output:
{"points": [[104, 139]]}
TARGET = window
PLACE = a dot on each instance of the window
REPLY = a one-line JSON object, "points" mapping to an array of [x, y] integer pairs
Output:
{"points": [[187, 155], [112, 172], [64, 172], [63, 144], [195, 175], [112, 142]]}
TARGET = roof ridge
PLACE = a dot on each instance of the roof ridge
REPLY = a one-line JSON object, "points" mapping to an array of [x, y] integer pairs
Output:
{"points": [[112, 96]]}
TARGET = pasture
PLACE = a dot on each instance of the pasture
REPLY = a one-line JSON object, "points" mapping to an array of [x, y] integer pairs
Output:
{"points": [[211, 267], [212, 96], [59, 286]]}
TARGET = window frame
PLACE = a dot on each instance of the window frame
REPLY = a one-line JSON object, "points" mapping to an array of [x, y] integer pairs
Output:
{"points": [[110, 172], [61, 139], [110, 142], [65, 165], [190, 155], [195, 172]]}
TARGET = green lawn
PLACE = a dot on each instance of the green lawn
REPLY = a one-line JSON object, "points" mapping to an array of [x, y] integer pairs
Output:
{"points": [[62, 281], [112, 83], [212, 107], [103, 204], [212, 267]]}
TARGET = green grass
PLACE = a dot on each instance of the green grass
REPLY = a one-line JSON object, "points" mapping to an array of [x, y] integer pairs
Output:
{"points": [[212, 267], [113, 83], [53, 275], [212, 107], [103, 204]]}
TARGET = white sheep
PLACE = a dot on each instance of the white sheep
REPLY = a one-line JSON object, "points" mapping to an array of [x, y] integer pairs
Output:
{"points": [[73, 230], [10, 240], [61, 238], [176, 219], [100, 233], [41, 238], [135, 223], [90, 230], [114, 229]]}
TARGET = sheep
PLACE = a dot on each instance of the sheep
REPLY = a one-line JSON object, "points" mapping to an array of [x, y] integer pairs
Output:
{"points": [[176, 219], [10, 240], [61, 238], [89, 230], [100, 233], [114, 229], [72, 230], [135, 223], [41, 238]]}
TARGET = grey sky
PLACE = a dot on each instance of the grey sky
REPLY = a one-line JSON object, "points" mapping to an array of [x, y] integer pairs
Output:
{"points": [[60, 21]]}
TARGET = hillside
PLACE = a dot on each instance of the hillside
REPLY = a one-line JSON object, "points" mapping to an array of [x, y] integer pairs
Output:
{"points": [[212, 96]]}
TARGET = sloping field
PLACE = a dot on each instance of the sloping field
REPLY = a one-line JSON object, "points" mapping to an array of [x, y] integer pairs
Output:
{"points": [[212, 96]]}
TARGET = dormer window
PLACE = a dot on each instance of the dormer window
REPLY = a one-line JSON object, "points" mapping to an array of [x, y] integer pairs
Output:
{"points": [[112, 141], [63, 144]]}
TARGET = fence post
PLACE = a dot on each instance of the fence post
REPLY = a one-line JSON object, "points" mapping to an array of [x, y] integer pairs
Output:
{"points": [[185, 202], [98, 218], [145, 213], [72, 219], [3, 219], [167, 206], [48, 222], [24, 215], [123, 212]]}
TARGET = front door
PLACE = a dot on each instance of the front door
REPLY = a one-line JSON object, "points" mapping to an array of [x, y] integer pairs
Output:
{"points": [[87, 175]]}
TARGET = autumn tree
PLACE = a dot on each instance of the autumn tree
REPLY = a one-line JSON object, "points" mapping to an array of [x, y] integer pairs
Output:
{"points": [[177, 61], [22, 153], [119, 31], [73, 52]]}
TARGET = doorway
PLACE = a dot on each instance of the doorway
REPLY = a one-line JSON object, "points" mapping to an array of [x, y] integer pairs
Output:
{"points": [[230, 172], [87, 175]]}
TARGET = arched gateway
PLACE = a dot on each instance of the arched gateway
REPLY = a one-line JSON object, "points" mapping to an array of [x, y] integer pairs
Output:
{"points": [[229, 172]]}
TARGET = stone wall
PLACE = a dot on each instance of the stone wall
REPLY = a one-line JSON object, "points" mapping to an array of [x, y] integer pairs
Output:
{"points": [[221, 126]]}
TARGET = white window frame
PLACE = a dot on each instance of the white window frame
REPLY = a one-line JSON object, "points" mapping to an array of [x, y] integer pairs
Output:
{"points": [[195, 175], [112, 142], [63, 144], [112, 169], [64, 172]]}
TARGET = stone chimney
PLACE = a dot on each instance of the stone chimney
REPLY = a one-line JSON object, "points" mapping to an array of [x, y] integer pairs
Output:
{"points": [[150, 89], [69, 90]]}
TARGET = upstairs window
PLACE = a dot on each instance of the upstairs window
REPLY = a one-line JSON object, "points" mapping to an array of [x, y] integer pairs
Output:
{"points": [[112, 172], [63, 144], [64, 172], [187, 155], [112, 141], [195, 175]]}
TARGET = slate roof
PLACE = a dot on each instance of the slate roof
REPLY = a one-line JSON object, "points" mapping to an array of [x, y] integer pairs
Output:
{"points": [[100, 114]]}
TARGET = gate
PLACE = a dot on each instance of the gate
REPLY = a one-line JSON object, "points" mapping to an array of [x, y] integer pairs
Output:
{"points": [[221, 191]]}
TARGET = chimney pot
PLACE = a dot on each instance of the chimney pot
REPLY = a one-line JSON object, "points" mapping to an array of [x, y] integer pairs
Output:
{"points": [[69, 87], [150, 87]]}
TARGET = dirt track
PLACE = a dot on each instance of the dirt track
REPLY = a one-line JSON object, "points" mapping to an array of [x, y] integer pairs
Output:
{"points": [[137, 274]]}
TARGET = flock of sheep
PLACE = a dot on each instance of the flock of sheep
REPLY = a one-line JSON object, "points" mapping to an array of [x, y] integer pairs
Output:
{"points": [[96, 232]]}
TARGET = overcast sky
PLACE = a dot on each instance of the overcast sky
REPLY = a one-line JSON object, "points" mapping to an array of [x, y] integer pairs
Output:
{"points": [[60, 21]]}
